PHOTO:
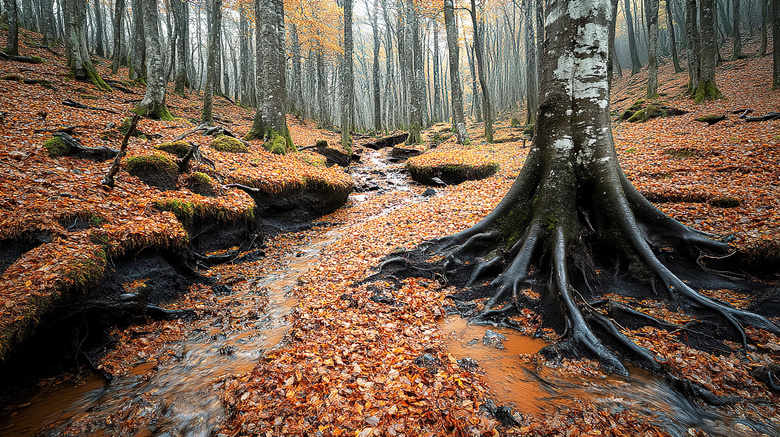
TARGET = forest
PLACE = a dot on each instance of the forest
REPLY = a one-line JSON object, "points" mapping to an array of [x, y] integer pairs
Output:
{"points": [[389, 218]]}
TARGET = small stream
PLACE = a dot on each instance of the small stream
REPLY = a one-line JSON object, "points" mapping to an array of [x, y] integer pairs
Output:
{"points": [[182, 396]]}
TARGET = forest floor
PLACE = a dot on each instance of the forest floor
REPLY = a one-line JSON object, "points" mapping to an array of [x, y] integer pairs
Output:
{"points": [[363, 361]]}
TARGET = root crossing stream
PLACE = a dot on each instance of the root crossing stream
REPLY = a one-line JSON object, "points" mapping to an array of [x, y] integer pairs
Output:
{"points": [[183, 394]]}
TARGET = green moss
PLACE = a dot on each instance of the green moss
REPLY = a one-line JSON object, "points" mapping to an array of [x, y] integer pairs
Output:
{"points": [[201, 183], [56, 147], [225, 143], [89, 97], [277, 145], [190, 213], [711, 118], [37, 59], [706, 90], [682, 152], [184, 211], [96, 80], [515, 122], [156, 161], [529, 130], [155, 112], [176, 148]]}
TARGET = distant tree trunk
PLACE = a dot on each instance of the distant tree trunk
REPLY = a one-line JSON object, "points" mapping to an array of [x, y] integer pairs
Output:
{"points": [[487, 110], [75, 12], [476, 108], [347, 80], [776, 44], [99, 47], [119, 15], [531, 79], [691, 28], [764, 21], [296, 101], [613, 64], [413, 65], [214, 19], [181, 18], [322, 104], [436, 111], [652, 48], [458, 119], [635, 63], [12, 45], [673, 42], [737, 31], [153, 103], [28, 16], [247, 66], [706, 89], [270, 119], [138, 56], [47, 21]]}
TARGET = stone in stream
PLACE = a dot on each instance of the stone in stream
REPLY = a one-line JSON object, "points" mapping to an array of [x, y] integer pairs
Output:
{"points": [[468, 364], [494, 339]]}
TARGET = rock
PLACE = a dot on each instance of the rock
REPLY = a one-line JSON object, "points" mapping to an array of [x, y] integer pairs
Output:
{"points": [[429, 362], [18, 155], [429, 192], [494, 339], [468, 364]]}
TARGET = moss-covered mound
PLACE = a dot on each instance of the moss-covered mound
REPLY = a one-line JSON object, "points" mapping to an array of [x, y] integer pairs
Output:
{"points": [[451, 166], [201, 183], [176, 148], [643, 110], [225, 143], [56, 147], [126, 127], [155, 169]]}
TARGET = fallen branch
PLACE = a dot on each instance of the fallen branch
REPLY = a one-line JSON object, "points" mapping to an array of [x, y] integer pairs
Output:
{"points": [[108, 179], [72, 104], [768, 116], [25, 59], [115, 84], [75, 148]]}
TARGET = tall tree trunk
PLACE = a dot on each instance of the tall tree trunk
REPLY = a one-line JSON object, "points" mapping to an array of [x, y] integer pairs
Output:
{"points": [[47, 21], [458, 119], [247, 72], [706, 88], [138, 56], [413, 62], [80, 64], [214, 20], [270, 121], [347, 81], [775, 44], [635, 63], [737, 31], [572, 211], [694, 44], [181, 19], [119, 14], [673, 42], [652, 48], [765, 9], [531, 79], [153, 103], [487, 109], [12, 44], [476, 108], [99, 46], [296, 102], [436, 110]]}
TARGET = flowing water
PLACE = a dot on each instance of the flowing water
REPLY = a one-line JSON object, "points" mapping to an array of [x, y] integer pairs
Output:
{"points": [[183, 394]]}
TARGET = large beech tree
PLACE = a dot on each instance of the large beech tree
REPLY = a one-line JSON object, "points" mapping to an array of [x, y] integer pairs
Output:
{"points": [[153, 104], [270, 121], [571, 213]]}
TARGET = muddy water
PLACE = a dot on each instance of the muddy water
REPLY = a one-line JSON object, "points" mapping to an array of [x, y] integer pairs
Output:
{"points": [[529, 389], [183, 395]]}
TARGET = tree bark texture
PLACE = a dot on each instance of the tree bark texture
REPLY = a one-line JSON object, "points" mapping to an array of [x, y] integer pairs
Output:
{"points": [[153, 103], [706, 89], [181, 18], [138, 55], [673, 41], [652, 48], [458, 119], [214, 14], [12, 44], [75, 15], [347, 81], [413, 67], [487, 109], [635, 63], [119, 15], [270, 121]]}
